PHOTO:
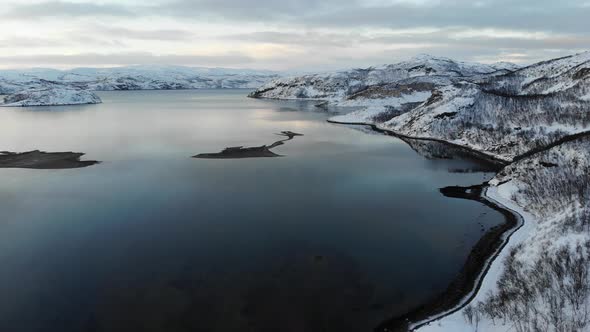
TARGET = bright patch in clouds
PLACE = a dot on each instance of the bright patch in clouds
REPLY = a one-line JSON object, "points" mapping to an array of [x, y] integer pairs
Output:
{"points": [[285, 35]]}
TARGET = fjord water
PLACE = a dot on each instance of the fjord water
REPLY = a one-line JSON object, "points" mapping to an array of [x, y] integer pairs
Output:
{"points": [[345, 230]]}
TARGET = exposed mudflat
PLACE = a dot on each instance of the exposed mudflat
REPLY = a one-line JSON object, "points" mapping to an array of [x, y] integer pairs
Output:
{"points": [[44, 160]]}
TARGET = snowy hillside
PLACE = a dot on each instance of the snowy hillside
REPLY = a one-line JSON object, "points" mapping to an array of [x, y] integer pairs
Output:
{"points": [[546, 77], [536, 119], [506, 122], [339, 86], [51, 96], [136, 78]]}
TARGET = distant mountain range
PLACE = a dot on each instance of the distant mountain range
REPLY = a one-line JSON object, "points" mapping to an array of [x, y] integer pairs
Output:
{"points": [[499, 109], [345, 85], [134, 78]]}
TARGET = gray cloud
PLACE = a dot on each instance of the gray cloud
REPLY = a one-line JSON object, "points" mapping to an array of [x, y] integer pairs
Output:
{"points": [[546, 15], [257, 11], [444, 38], [91, 59], [567, 15], [539, 15], [14, 42], [71, 39], [335, 32], [63, 8], [151, 34], [305, 39]]}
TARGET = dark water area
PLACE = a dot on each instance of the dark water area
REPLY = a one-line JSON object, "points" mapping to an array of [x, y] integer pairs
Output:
{"points": [[344, 231]]}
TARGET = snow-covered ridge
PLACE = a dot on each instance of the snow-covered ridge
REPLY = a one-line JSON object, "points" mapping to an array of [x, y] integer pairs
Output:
{"points": [[496, 109], [500, 117], [53, 95], [136, 78], [338, 86], [545, 77], [540, 280]]}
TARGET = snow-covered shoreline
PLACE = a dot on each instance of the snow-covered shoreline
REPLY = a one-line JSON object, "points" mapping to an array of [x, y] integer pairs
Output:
{"points": [[501, 192], [534, 121], [493, 266], [452, 319]]}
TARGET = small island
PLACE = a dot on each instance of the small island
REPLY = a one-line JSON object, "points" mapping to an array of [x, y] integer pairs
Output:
{"points": [[238, 152], [44, 160], [51, 96]]}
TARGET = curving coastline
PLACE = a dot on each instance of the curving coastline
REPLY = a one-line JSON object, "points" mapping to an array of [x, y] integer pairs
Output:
{"points": [[469, 280]]}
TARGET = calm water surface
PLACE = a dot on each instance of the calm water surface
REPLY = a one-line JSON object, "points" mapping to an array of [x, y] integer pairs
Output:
{"points": [[344, 231]]}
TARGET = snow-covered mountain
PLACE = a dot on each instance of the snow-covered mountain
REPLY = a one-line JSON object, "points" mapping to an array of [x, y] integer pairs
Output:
{"points": [[497, 109], [557, 75], [510, 114], [53, 95], [342, 85], [500, 109], [136, 78], [537, 120]]}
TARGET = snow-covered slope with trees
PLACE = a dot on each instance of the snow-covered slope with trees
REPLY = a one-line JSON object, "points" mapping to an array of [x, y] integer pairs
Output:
{"points": [[547, 276], [53, 95], [135, 78], [337, 86], [386, 91], [543, 281], [503, 117], [536, 119], [567, 73]]}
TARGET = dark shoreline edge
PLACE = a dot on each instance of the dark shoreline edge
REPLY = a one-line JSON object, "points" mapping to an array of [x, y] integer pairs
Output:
{"points": [[476, 154], [470, 277]]}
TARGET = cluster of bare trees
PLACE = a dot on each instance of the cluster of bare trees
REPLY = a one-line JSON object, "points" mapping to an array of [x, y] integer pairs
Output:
{"points": [[549, 190], [547, 288], [553, 295], [506, 124]]}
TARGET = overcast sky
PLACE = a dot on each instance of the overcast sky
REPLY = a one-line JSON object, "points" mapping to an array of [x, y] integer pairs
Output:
{"points": [[286, 34]]}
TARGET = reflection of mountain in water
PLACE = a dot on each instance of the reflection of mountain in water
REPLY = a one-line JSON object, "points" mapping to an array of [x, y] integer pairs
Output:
{"points": [[250, 152], [438, 150]]}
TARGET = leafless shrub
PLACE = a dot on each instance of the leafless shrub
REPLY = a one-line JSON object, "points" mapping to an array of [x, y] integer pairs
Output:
{"points": [[552, 295]]}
